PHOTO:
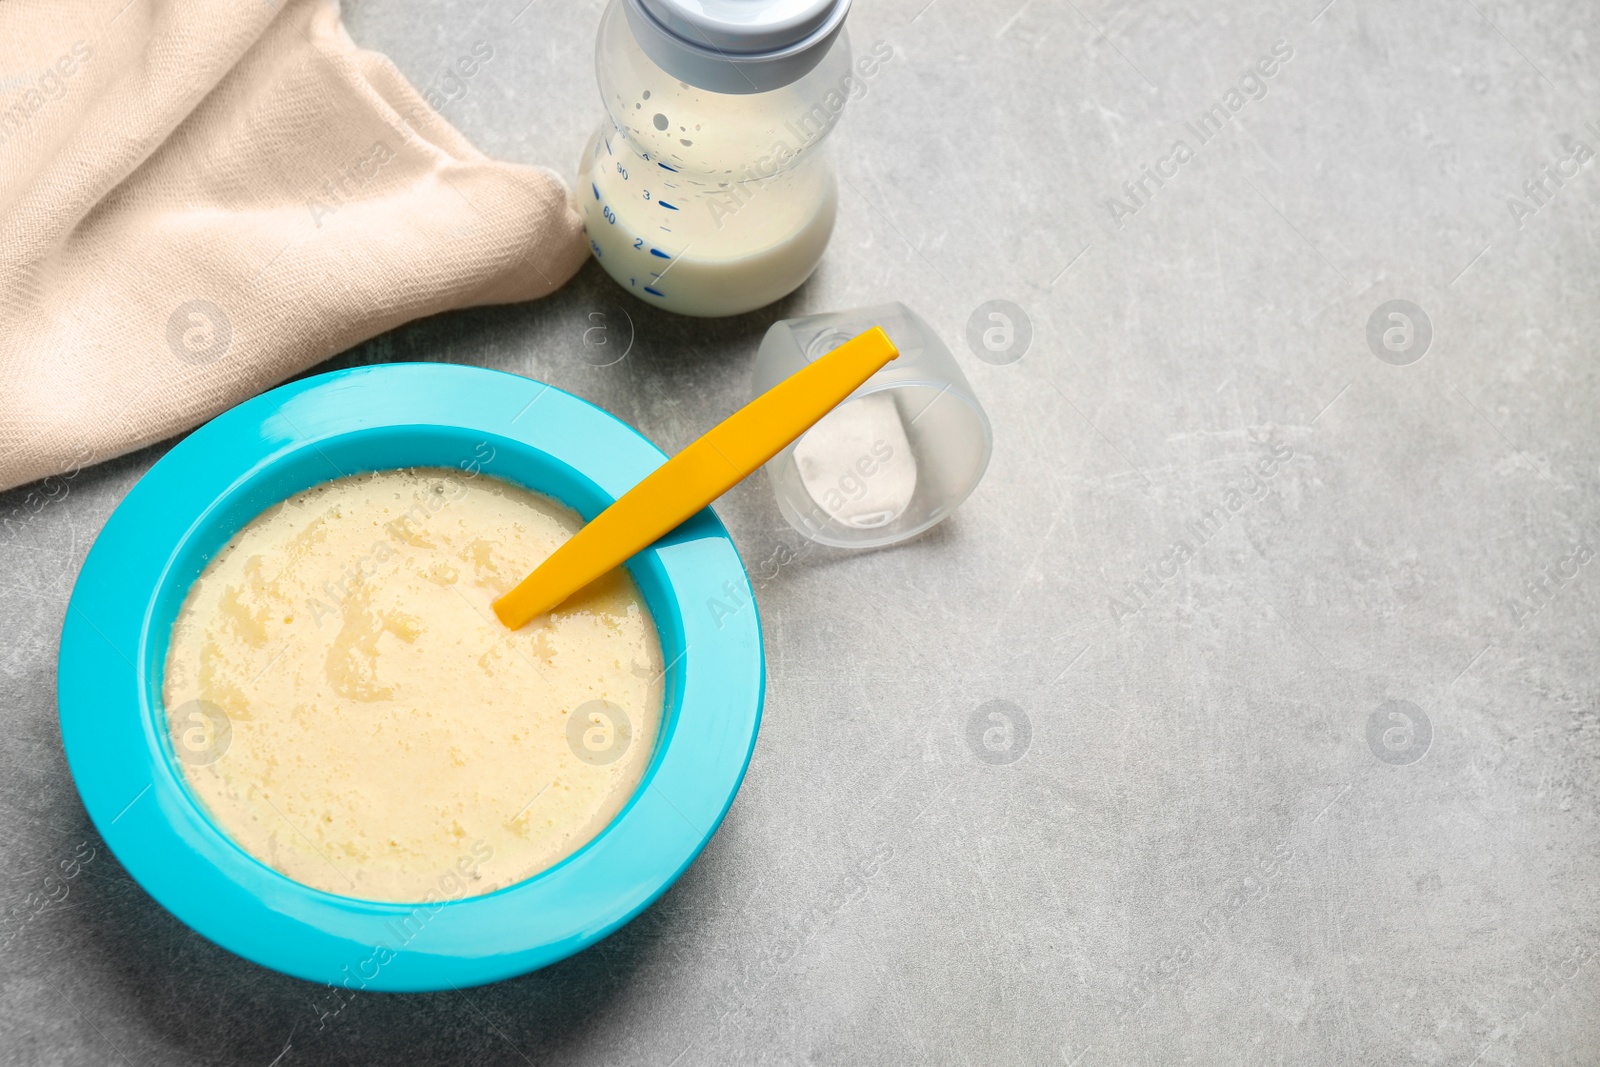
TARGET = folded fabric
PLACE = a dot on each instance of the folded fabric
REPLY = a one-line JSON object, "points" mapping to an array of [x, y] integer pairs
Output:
{"points": [[200, 198]]}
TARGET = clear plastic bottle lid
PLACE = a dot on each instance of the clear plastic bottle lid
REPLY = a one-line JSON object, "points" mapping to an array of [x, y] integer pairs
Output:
{"points": [[736, 46], [899, 455]]}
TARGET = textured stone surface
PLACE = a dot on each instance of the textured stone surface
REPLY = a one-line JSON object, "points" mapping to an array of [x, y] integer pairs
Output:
{"points": [[1198, 852]]}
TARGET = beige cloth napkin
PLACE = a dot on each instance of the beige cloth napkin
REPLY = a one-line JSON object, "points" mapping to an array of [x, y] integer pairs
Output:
{"points": [[199, 198]]}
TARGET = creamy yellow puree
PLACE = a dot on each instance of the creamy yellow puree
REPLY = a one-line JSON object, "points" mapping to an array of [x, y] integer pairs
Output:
{"points": [[343, 701]]}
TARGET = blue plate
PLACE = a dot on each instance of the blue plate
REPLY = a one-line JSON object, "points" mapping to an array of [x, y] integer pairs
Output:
{"points": [[180, 514]]}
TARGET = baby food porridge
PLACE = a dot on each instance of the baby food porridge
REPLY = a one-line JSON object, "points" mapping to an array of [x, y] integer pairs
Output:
{"points": [[347, 707]]}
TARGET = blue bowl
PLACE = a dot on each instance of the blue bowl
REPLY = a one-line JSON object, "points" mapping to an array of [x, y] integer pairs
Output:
{"points": [[180, 514]]}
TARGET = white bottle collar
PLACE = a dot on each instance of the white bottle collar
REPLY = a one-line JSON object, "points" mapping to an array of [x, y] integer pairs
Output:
{"points": [[736, 46]]}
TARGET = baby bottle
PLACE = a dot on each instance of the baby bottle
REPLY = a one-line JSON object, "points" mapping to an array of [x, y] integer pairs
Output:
{"points": [[707, 192]]}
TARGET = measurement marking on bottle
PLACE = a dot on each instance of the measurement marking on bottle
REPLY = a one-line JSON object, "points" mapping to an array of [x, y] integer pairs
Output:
{"points": [[663, 166], [658, 252], [655, 292], [669, 207]]}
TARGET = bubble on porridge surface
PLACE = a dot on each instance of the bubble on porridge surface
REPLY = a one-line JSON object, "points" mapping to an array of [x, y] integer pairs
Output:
{"points": [[660, 121], [647, 94]]}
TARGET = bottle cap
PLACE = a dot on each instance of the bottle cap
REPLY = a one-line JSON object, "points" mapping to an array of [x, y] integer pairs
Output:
{"points": [[736, 46], [899, 455]]}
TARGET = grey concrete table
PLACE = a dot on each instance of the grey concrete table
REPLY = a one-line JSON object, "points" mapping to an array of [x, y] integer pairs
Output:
{"points": [[1247, 713]]}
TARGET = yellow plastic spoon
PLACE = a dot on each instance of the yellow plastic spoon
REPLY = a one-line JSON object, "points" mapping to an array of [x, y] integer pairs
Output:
{"points": [[727, 454]]}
